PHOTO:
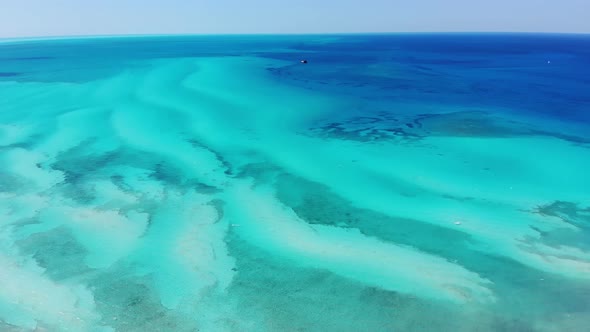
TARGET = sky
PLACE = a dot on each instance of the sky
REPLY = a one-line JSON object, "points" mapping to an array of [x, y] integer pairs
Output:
{"points": [[29, 18]]}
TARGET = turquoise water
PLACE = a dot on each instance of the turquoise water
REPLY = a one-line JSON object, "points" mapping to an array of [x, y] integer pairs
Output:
{"points": [[215, 183]]}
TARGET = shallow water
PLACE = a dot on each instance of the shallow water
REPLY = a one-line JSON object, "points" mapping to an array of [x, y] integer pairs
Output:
{"points": [[215, 183]]}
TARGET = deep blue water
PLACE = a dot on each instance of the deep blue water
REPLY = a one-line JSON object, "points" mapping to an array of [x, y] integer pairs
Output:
{"points": [[545, 74]]}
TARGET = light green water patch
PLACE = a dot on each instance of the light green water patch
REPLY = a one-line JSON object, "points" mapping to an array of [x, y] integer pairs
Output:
{"points": [[152, 131], [26, 165], [90, 175], [184, 249], [285, 296], [78, 126], [371, 178], [575, 231], [15, 135], [11, 183], [30, 300], [125, 301], [93, 228], [270, 225], [568, 212], [84, 161], [57, 252], [169, 277], [129, 303], [317, 205]]}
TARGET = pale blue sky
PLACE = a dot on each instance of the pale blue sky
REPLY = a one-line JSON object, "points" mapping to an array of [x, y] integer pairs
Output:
{"points": [[20, 18]]}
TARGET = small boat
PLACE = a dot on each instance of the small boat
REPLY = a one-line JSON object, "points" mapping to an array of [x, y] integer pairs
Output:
{"points": [[304, 61]]}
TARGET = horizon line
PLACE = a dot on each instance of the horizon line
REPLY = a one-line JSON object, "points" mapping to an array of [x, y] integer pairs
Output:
{"points": [[191, 34]]}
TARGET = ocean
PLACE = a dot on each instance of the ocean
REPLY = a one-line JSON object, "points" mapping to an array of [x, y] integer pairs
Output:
{"points": [[394, 182]]}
